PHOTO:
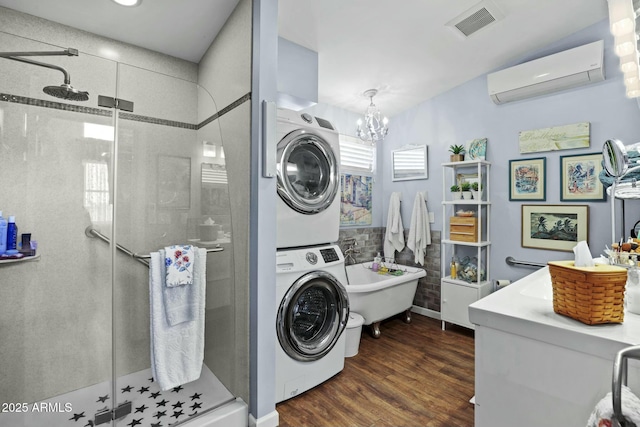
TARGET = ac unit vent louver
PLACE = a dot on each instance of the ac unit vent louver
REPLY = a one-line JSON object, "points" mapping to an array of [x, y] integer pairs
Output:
{"points": [[475, 22]]}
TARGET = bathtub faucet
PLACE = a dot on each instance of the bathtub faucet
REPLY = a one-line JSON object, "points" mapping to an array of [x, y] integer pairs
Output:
{"points": [[350, 251]]}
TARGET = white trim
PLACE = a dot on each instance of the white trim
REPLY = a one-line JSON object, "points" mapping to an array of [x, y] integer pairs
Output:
{"points": [[270, 420], [426, 312]]}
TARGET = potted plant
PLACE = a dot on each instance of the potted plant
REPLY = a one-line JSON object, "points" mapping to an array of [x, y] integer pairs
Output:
{"points": [[457, 153], [455, 191], [475, 188], [466, 190]]}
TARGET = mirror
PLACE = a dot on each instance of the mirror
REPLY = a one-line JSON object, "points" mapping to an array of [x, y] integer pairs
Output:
{"points": [[410, 163], [616, 157]]}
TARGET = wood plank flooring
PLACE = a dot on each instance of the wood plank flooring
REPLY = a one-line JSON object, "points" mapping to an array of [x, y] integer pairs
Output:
{"points": [[414, 375]]}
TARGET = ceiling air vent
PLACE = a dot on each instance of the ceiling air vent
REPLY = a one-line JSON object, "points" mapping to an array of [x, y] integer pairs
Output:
{"points": [[475, 18]]}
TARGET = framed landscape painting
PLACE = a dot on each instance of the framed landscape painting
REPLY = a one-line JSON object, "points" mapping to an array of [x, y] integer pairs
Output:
{"points": [[554, 227], [527, 179], [579, 178]]}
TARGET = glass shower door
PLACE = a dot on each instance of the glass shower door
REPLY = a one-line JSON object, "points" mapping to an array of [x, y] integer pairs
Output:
{"points": [[171, 190], [55, 306]]}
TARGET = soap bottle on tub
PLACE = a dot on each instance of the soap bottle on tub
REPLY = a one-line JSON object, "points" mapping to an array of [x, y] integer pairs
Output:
{"points": [[376, 262]]}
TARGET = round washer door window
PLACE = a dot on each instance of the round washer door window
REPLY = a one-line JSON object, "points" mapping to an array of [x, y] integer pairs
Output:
{"points": [[312, 315], [307, 172]]}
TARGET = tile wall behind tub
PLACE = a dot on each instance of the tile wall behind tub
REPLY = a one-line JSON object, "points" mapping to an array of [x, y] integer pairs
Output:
{"points": [[369, 242]]}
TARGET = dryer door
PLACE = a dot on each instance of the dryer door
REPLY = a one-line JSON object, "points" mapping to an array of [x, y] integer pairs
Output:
{"points": [[308, 178], [312, 315]]}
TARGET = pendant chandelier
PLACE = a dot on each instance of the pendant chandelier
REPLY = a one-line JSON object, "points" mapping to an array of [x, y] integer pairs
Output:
{"points": [[373, 128]]}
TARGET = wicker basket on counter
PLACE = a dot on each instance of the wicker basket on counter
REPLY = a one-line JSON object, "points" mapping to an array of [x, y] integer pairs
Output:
{"points": [[592, 295]]}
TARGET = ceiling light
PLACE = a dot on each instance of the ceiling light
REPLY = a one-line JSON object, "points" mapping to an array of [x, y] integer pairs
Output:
{"points": [[622, 17], [374, 128], [128, 2]]}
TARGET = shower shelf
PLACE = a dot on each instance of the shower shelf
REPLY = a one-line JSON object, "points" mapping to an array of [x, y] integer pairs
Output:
{"points": [[24, 259]]}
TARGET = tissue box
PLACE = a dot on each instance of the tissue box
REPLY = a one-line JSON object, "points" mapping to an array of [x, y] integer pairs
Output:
{"points": [[591, 295]]}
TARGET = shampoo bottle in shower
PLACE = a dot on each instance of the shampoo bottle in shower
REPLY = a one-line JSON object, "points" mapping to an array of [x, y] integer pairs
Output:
{"points": [[3, 234], [12, 236]]}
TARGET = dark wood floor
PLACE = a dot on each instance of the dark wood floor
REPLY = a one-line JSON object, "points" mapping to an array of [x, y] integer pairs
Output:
{"points": [[414, 375]]}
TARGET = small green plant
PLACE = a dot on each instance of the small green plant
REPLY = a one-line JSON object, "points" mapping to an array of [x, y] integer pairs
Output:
{"points": [[475, 186], [466, 186], [456, 149], [455, 188]]}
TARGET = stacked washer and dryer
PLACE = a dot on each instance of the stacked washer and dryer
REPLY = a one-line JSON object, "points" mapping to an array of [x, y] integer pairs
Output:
{"points": [[312, 302]]}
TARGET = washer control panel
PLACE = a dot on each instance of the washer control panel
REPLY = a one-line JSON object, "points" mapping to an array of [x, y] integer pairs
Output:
{"points": [[329, 255], [312, 258]]}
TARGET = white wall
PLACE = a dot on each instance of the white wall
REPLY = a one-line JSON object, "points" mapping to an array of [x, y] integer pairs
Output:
{"points": [[466, 112]]}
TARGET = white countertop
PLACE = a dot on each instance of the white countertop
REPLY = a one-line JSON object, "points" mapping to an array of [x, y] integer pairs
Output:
{"points": [[525, 308]]}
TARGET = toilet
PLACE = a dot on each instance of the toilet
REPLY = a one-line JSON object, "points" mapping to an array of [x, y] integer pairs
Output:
{"points": [[353, 333]]}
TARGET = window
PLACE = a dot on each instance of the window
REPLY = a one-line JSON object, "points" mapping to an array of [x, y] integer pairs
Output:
{"points": [[357, 155], [96, 192]]}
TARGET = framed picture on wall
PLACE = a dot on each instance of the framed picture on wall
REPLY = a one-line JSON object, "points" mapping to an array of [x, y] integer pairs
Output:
{"points": [[554, 227], [527, 179], [579, 178]]}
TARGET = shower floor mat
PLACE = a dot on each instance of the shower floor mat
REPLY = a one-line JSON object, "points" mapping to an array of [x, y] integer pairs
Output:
{"points": [[150, 407]]}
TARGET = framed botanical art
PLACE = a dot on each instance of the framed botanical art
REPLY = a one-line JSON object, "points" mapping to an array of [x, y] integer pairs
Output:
{"points": [[527, 179], [554, 227], [579, 178]]}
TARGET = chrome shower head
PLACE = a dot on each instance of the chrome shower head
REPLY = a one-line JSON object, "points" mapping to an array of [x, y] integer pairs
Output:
{"points": [[66, 91]]}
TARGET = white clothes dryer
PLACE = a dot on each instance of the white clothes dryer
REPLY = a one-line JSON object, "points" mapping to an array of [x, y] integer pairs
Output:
{"points": [[308, 160], [312, 314]]}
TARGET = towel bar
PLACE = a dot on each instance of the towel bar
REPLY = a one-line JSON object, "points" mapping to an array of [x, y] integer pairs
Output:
{"points": [[142, 259]]}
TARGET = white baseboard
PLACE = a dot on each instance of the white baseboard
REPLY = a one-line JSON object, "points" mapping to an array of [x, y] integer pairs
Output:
{"points": [[270, 420], [426, 312]]}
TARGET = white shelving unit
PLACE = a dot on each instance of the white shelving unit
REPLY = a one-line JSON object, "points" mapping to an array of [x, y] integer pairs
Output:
{"points": [[457, 294]]}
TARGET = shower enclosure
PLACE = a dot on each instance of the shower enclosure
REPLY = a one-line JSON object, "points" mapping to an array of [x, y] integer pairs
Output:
{"points": [[145, 173]]}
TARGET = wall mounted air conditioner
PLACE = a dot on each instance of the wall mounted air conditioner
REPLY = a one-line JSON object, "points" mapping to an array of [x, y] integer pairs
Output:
{"points": [[574, 67]]}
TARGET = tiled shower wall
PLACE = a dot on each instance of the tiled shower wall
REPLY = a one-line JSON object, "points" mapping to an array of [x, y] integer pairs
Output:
{"points": [[369, 241]]}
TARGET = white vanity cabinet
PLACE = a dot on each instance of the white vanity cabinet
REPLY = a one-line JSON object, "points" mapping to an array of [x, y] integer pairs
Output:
{"points": [[464, 237]]}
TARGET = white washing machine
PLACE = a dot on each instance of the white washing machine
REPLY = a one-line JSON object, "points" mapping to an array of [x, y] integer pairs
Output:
{"points": [[308, 160], [312, 313]]}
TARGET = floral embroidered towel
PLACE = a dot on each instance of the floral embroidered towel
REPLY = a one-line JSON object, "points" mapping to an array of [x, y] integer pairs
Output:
{"points": [[179, 265]]}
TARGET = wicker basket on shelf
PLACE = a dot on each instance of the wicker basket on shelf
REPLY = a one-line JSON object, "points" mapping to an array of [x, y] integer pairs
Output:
{"points": [[592, 295]]}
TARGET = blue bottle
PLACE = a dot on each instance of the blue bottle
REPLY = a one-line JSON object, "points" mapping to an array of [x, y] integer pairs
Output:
{"points": [[3, 234], [12, 236]]}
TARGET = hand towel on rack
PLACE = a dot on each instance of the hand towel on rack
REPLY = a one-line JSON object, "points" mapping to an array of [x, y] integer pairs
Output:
{"points": [[177, 352], [394, 237], [602, 415], [420, 230], [179, 265]]}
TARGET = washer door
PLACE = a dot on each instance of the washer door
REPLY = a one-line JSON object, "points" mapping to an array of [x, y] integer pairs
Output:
{"points": [[312, 315], [307, 172]]}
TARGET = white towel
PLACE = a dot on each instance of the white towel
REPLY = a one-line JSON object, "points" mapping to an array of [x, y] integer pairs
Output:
{"points": [[394, 237], [177, 352], [179, 265], [420, 230], [603, 412]]}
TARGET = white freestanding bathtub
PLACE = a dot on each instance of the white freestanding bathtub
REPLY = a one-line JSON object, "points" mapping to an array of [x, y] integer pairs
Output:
{"points": [[379, 296]]}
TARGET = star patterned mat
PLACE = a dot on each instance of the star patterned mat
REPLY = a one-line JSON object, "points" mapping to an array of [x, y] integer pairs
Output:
{"points": [[150, 407]]}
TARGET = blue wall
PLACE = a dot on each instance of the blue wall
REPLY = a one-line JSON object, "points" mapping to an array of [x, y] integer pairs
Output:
{"points": [[466, 112]]}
